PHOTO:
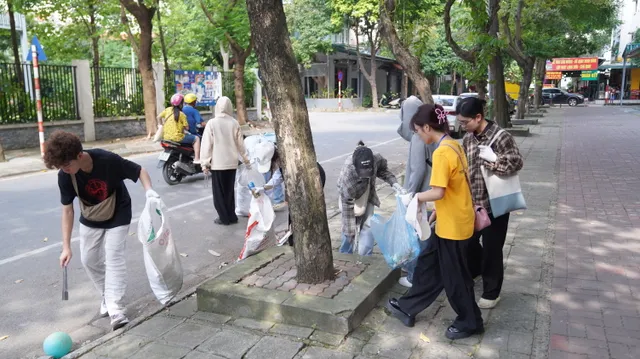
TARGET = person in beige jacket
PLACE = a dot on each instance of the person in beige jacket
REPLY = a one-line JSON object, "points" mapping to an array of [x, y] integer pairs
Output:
{"points": [[222, 148]]}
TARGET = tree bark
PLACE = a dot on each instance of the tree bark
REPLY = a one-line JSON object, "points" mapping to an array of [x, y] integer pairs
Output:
{"points": [[405, 85], [238, 89], [163, 45], [14, 43], [144, 17], [482, 89], [371, 74], [541, 70], [496, 68], [409, 62], [2, 157], [523, 96], [312, 245]]}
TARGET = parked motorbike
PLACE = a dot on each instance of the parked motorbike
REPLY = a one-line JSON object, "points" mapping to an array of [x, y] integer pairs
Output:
{"points": [[390, 101]]}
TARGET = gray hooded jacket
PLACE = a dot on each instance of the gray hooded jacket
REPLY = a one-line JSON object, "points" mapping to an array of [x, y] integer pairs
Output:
{"points": [[418, 172]]}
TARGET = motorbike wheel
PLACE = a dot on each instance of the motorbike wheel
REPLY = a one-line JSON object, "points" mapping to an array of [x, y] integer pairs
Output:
{"points": [[170, 175]]}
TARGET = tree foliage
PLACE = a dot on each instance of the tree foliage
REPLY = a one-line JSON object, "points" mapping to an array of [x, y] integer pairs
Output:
{"points": [[310, 26]]}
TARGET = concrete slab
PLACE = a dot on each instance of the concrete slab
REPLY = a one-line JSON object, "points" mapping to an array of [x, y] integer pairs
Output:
{"points": [[161, 351], [340, 314], [519, 131], [322, 353], [270, 347], [156, 326], [200, 355], [189, 335], [121, 347], [253, 324], [291, 330], [229, 343]]}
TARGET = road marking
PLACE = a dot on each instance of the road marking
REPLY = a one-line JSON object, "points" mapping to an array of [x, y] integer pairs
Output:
{"points": [[175, 208], [75, 239]]}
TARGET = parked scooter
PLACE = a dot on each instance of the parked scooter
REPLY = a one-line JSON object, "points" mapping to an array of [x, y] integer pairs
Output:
{"points": [[390, 100]]}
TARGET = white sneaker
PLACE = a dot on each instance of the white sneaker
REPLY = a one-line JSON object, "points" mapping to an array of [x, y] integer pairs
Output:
{"points": [[405, 282], [103, 310], [488, 303], [118, 321]]}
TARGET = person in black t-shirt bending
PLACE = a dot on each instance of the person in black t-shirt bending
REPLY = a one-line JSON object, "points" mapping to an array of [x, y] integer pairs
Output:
{"points": [[97, 177]]}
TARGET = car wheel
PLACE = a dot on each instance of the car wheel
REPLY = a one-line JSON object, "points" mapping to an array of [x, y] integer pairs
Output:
{"points": [[573, 102]]}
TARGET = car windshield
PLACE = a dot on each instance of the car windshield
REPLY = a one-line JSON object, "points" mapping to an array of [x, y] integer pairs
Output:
{"points": [[445, 101]]}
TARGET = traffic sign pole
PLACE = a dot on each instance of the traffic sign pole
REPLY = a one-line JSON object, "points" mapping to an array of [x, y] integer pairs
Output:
{"points": [[340, 95], [36, 82]]}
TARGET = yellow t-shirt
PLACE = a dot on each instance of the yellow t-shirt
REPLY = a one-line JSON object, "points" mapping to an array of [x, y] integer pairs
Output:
{"points": [[172, 130], [455, 215]]}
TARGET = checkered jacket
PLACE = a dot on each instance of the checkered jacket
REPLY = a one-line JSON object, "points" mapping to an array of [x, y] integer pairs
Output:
{"points": [[351, 187], [509, 159]]}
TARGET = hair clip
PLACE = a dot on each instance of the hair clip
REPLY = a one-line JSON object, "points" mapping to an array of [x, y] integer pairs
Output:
{"points": [[442, 116]]}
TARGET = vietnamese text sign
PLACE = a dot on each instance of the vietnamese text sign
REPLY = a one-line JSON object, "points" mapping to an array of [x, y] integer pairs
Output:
{"points": [[589, 75], [554, 75], [548, 86], [575, 64], [207, 85]]}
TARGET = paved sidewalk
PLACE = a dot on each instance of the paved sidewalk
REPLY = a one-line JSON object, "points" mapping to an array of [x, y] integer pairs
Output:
{"points": [[596, 286], [518, 328]]}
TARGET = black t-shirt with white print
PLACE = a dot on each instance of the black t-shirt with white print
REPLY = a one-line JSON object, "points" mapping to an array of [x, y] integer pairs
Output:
{"points": [[108, 175]]}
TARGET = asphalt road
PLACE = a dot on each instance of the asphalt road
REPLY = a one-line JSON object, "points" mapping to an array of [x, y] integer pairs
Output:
{"points": [[30, 215]]}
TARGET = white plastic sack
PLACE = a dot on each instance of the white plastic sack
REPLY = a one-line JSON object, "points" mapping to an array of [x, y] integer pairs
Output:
{"points": [[161, 258], [418, 217], [259, 233], [241, 189], [158, 136]]}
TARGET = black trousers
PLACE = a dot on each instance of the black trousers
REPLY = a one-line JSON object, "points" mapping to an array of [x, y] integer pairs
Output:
{"points": [[487, 259], [222, 183], [444, 265]]}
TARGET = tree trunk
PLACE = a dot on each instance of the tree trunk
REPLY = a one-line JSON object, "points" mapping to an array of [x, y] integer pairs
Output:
{"points": [[372, 77], [2, 157], [405, 85], [145, 65], [14, 43], [453, 82], [95, 47], [409, 62], [312, 245], [163, 45], [482, 89], [527, 76], [541, 70], [238, 82], [498, 92]]}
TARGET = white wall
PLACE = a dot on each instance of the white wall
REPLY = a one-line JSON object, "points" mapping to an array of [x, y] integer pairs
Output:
{"points": [[629, 15]]}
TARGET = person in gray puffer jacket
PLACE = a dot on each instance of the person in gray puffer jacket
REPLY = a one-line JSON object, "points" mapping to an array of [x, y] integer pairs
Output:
{"points": [[418, 173]]}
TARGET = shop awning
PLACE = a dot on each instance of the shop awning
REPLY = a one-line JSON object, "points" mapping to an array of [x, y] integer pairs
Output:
{"points": [[631, 50], [617, 66]]}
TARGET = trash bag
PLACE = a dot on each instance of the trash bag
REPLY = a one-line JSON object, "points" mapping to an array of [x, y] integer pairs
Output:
{"points": [[242, 193], [260, 234], [161, 257], [396, 238], [418, 217]]}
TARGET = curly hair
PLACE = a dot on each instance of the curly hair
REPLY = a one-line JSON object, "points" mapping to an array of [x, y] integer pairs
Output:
{"points": [[61, 148]]}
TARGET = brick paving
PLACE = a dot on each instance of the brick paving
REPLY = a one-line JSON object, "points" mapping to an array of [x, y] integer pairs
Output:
{"points": [[596, 274], [280, 275]]}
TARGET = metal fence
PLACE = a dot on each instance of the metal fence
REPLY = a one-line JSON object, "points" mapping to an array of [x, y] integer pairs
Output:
{"points": [[116, 92], [17, 94]]}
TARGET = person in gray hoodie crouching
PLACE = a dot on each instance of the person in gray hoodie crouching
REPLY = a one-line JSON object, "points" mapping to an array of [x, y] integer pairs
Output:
{"points": [[418, 173]]}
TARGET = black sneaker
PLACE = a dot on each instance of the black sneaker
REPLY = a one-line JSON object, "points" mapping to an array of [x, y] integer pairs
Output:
{"points": [[454, 333], [394, 308]]}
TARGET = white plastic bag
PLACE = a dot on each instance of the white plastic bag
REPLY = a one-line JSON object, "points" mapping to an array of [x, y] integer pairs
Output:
{"points": [[158, 136], [161, 258], [242, 194], [259, 233], [418, 218]]}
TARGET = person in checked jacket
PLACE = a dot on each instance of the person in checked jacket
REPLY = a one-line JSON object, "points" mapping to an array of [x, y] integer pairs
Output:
{"points": [[503, 158], [358, 197]]}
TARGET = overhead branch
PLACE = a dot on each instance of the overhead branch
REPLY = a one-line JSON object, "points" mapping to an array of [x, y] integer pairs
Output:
{"points": [[466, 55], [125, 21]]}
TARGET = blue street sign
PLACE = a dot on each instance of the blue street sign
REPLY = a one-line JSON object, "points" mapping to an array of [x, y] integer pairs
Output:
{"points": [[39, 50], [340, 75]]}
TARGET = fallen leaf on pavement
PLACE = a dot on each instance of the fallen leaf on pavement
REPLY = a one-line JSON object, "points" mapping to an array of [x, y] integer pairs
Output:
{"points": [[519, 213], [19, 281], [184, 255], [3, 338], [424, 338], [45, 239], [214, 253]]}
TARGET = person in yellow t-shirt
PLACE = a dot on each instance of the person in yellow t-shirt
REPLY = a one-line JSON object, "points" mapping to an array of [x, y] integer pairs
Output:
{"points": [[443, 264], [176, 128]]}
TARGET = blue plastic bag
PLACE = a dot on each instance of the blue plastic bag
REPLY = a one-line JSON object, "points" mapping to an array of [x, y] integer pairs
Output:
{"points": [[396, 239]]}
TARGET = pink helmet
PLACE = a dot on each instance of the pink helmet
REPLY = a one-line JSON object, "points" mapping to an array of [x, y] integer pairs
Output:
{"points": [[176, 100]]}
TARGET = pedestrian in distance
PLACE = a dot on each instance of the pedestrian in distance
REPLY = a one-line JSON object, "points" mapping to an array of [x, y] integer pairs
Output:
{"points": [[96, 177], [222, 146], [486, 144], [358, 196], [444, 263]]}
